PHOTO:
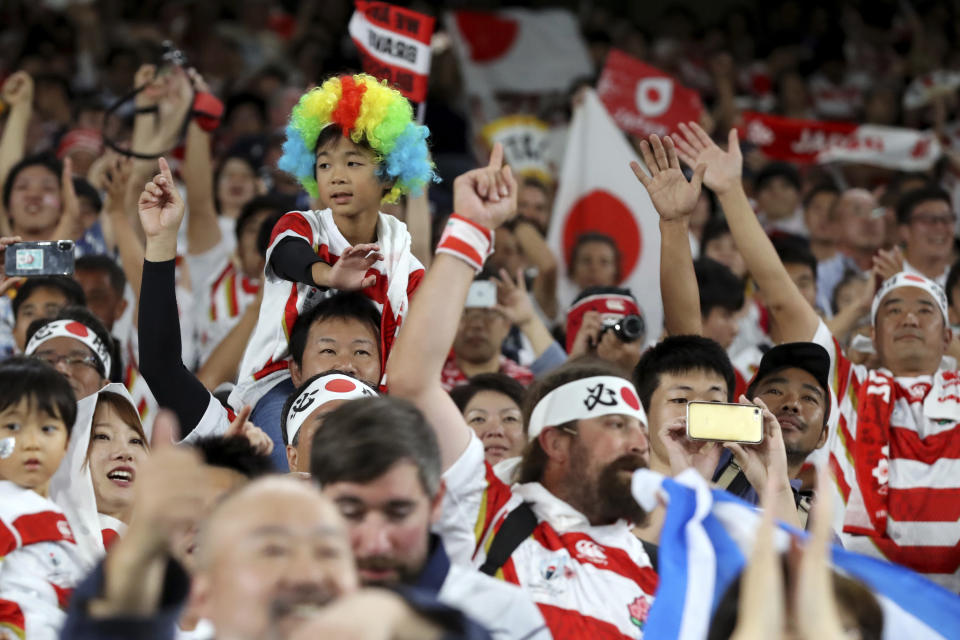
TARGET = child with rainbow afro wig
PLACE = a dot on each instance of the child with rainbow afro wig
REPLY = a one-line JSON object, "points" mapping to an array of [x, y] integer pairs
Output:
{"points": [[353, 144]]}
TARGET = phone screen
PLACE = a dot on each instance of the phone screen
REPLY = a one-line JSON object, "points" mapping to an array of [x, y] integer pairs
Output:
{"points": [[39, 258], [724, 422], [482, 294]]}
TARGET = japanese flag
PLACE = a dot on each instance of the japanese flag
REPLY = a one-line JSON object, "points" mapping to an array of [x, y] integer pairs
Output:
{"points": [[519, 50], [598, 192]]}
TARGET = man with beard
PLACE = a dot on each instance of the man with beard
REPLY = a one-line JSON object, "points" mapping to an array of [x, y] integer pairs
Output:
{"points": [[273, 561], [561, 530], [792, 381], [377, 459], [894, 447]]}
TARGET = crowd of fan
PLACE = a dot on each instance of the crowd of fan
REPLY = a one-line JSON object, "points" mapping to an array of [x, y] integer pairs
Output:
{"points": [[311, 373]]}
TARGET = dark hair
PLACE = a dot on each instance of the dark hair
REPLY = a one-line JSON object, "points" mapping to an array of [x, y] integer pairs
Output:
{"points": [[848, 276], [817, 189], [911, 199], [499, 382], [719, 287], [346, 305], [242, 98], [679, 355], [125, 411], [713, 228], [34, 380], [777, 170], [99, 262], [794, 249], [296, 394], [234, 452], [276, 204], [362, 439], [86, 190], [534, 459], [44, 160], [536, 183], [952, 278], [594, 236], [851, 595], [69, 287], [86, 318], [243, 157]]}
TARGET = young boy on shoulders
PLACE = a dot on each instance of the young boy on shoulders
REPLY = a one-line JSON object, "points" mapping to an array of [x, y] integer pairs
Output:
{"points": [[353, 144], [39, 559]]}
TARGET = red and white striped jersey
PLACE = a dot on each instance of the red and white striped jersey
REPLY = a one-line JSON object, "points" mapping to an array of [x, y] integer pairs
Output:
{"points": [[266, 360], [228, 295], [589, 581], [39, 564], [895, 451]]}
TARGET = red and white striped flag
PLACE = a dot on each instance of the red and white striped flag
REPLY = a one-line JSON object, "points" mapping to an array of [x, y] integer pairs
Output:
{"points": [[394, 44]]}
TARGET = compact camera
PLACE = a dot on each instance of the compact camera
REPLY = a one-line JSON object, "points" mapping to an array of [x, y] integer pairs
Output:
{"points": [[627, 329]]}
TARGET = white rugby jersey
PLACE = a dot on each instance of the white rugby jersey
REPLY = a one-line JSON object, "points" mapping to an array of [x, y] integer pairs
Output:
{"points": [[895, 452], [588, 581], [39, 564], [265, 361]]}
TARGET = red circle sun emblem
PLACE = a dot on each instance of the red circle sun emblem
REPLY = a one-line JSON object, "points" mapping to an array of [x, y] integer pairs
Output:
{"points": [[77, 329], [630, 398], [602, 211], [340, 386]]}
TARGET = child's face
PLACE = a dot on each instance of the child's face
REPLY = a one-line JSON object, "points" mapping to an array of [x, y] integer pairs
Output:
{"points": [[347, 178], [39, 444], [115, 453]]}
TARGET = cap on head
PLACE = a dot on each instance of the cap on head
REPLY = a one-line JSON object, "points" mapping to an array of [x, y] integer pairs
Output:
{"points": [[904, 279], [808, 356], [366, 110]]}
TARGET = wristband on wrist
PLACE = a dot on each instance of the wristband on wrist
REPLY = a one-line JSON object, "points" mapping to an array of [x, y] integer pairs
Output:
{"points": [[466, 240]]}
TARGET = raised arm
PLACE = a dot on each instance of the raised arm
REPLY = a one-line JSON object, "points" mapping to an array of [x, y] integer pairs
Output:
{"points": [[535, 248], [796, 319], [483, 199], [203, 231], [673, 198], [417, 219], [18, 93]]}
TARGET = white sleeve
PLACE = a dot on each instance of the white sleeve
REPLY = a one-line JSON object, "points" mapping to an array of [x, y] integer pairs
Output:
{"points": [[215, 422], [466, 486]]}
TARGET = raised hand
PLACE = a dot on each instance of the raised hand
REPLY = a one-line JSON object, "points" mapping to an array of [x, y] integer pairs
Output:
{"points": [[724, 168], [161, 211], [512, 298], [672, 196], [18, 90], [70, 225], [350, 271], [684, 453], [767, 460], [888, 263], [487, 195], [115, 180], [242, 427]]}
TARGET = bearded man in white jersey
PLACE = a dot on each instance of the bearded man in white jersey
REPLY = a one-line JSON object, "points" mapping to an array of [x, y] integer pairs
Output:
{"points": [[562, 531], [895, 448]]}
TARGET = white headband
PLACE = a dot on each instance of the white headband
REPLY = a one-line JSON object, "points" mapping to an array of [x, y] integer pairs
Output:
{"points": [[585, 398], [321, 391], [75, 330], [904, 279]]}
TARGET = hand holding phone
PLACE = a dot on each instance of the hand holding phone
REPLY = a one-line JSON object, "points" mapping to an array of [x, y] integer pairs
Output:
{"points": [[722, 422], [39, 258]]}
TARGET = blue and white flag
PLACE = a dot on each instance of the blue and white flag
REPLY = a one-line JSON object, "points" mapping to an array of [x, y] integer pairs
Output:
{"points": [[704, 545]]}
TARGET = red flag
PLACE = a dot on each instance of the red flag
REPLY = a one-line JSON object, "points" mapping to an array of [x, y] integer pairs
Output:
{"points": [[644, 100], [813, 141], [394, 44]]}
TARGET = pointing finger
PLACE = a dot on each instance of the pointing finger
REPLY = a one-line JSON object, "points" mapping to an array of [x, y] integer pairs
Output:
{"points": [[496, 157]]}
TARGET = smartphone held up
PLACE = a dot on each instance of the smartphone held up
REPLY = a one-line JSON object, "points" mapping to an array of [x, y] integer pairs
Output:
{"points": [[722, 422], [53, 258]]}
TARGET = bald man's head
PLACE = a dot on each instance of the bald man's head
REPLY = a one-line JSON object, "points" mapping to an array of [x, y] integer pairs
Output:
{"points": [[267, 552]]}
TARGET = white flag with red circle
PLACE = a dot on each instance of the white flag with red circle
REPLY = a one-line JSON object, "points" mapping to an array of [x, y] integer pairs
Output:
{"points": [[394, 44], [519, 50], [644, 100], [598, 192]]}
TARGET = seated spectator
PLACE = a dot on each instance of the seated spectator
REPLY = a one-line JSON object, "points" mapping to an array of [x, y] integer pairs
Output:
{"points": [[95, 483], [606, 322], [777, 191], [42, 297], [587, 432], [350, 246], [927, 222], [491, 405], [820, 219], [75, 344], [41, 563], [307, 407], [378, 461], [476, 348]]}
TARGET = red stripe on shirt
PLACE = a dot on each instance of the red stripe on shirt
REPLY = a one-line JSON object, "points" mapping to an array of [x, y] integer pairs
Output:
{"points": [[8, 541], [921, 559], [11, 617], [841, 481], [44, 526], [610, 558], [294, 222], [63, 595], [907, 444], [573, 625], [923, 504]]}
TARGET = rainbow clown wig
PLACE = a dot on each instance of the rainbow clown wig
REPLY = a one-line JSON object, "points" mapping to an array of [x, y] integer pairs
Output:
{"points": [[370, 113]]}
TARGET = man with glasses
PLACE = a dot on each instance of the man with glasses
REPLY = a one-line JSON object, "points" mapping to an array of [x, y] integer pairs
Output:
{"points": [[862, 232], [927, 223], [75, 344]]}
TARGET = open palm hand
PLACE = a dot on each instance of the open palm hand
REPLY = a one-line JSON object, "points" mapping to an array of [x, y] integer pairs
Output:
{"points": [[672, 196], [724, 168]]}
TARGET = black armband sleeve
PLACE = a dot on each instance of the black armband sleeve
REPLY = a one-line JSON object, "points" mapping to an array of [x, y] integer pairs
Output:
{"points": [[292, 260]]}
